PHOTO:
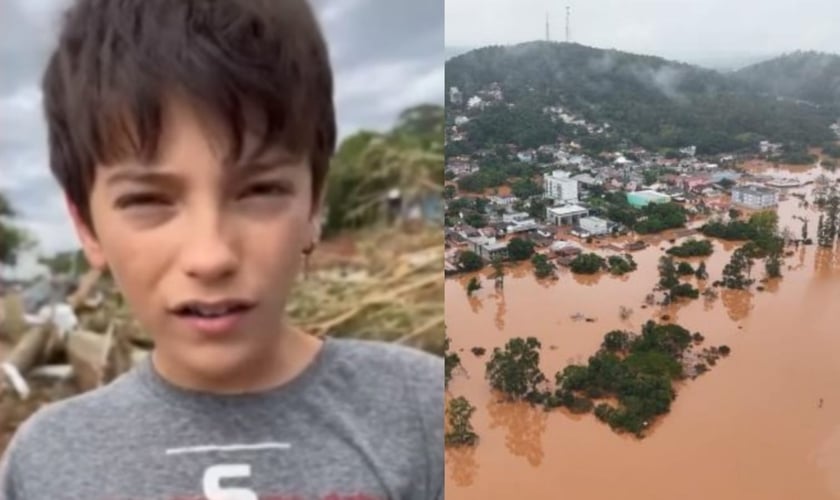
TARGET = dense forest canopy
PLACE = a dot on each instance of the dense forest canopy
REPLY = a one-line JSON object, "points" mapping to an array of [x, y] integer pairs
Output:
{"points": [[647, 101], [809, 76]]}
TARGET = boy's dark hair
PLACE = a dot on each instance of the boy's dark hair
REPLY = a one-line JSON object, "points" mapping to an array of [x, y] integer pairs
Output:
{"points": [[118, 61]]}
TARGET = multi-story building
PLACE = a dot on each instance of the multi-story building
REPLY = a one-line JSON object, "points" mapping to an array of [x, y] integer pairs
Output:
{"points": [[595, 226], [560, 187], [755, 197]]}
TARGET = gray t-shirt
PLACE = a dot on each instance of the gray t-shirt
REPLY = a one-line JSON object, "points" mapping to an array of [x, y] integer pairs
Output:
{"points": [[364, 421]]}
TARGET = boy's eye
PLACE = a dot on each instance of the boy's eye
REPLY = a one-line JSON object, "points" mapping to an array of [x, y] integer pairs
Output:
{"points": [[141, 200], [267, 189]]}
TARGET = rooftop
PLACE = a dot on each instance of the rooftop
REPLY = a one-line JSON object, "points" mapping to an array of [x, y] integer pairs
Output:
{"points": [[567, 210], [754, 190]]}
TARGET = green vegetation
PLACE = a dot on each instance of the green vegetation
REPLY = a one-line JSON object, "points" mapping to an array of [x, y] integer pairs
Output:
{"points": [[701, 272], [460, 432], [716, 112], [520, 249], [809, 76], [13, 240], [473, 285], [831, 149], [736, 272], [369, 164], [684, 269], [515, 370], [692, 248], [469, 261], [542, 267], [495, 171], [587, 263], [475, 219], [669, 281], [828, 229], [637, 371], [763, 243], [658, 217], [684, 290], [451, 360], [621, 264]]}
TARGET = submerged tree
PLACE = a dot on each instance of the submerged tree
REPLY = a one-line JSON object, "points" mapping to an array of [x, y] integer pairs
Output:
{"points": [[461, 431], [473, 285], [773, 264], [701, 272], [515, 370], [451, 361], [733, 272]]}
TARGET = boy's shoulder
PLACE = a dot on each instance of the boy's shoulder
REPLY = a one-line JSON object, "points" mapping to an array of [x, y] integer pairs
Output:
{"points": [[68, 416], [376, 357], [378, 372]]}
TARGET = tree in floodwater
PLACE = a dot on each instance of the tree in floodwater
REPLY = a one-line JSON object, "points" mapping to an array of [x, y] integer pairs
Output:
{"points": [[700, 273], [733, 272], [773, 265], [451, 361], [473, 285], [829, 223], [515, 370], [668, 277], [461, 431], [498, 272]]}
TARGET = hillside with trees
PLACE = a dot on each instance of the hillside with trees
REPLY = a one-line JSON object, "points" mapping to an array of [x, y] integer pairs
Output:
{"points": [[813, 77], [647, 101]]}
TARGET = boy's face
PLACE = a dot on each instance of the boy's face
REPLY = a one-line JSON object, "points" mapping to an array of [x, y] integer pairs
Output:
{"points": [[204, 253]]}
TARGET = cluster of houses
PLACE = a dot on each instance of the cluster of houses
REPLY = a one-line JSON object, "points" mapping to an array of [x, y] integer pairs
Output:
{"points": [[564, 195], [572, 177]]}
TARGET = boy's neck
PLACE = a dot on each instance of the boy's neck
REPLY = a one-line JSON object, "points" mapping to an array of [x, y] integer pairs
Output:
{"points": [[290, 355]]}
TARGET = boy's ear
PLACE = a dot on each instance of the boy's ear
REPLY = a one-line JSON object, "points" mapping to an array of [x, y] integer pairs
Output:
{"points": [[316, 216], [90, 245]]}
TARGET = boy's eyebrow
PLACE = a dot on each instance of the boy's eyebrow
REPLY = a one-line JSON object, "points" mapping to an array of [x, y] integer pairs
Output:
{"points": [[139, 176], [266, 162]]}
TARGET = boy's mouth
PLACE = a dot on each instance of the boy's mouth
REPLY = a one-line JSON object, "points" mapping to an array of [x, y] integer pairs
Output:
{"points": [[212, 309]]}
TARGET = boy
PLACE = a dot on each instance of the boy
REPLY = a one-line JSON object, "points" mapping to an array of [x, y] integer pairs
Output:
{"points": [[192, 139]]}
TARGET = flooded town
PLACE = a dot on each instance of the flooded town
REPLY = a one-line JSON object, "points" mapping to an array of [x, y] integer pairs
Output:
{"points": [[754, 407]]}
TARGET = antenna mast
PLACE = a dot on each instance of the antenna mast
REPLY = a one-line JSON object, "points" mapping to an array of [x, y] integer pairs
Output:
{"points": [[547, 37], [568, 14]]}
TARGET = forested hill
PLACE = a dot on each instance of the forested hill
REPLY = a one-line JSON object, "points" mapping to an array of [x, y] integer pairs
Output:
{"points": [[810, 76], [647, 101]]}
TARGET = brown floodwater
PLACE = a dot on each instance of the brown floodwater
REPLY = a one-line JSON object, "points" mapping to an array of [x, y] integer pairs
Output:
{"points": [[750, 428]]}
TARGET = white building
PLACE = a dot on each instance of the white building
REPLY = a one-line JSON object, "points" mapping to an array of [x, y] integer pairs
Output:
{"points": [[595, 225], [755, 197], [475, 102], [526, 156], [559, 186], [566, 215], [488, 248], [455, 96]]}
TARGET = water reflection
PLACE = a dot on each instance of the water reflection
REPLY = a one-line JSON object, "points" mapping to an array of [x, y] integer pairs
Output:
{"points": [[587, 279], [461, 465], [501, 309], [524, 424], [738, 303]]}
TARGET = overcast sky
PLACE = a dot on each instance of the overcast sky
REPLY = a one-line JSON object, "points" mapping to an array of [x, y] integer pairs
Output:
{"points": [[387, 55], [695, 30]]}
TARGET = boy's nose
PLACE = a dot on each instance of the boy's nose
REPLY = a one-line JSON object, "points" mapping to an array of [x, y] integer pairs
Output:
{"points": [[209, 254]]}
